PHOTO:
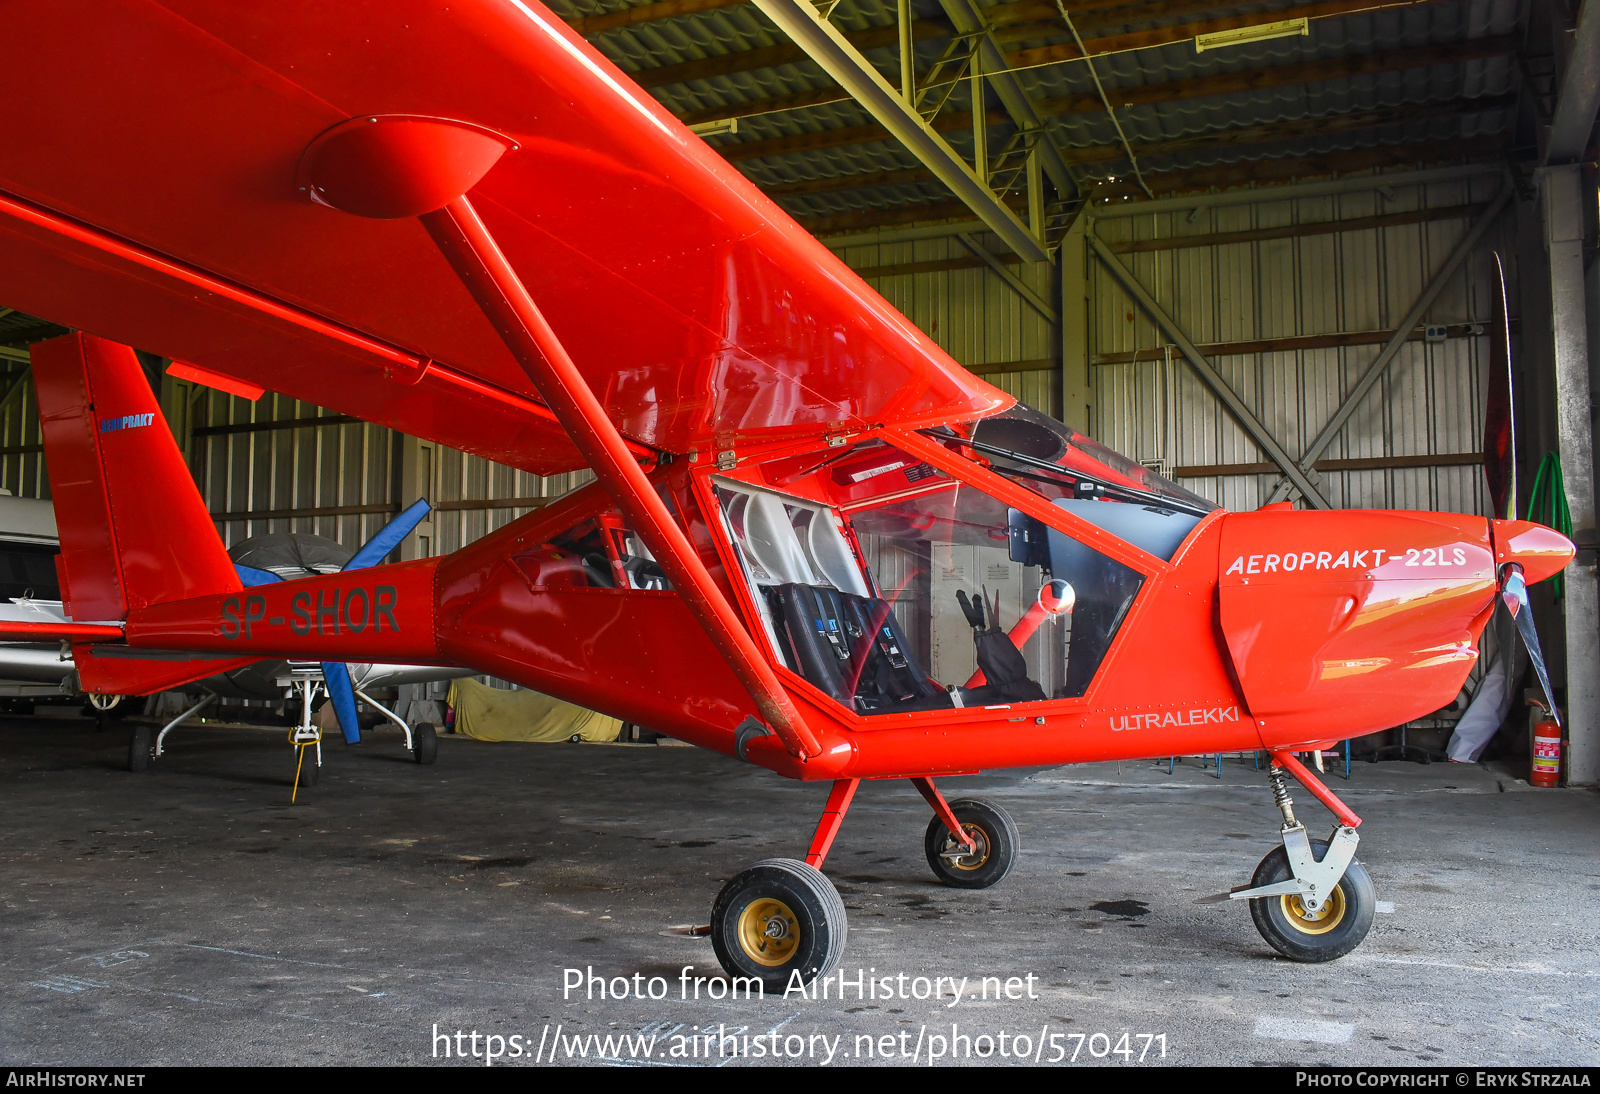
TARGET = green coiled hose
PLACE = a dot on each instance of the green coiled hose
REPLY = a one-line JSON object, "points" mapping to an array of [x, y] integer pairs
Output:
{"points": [[1547, 504]]}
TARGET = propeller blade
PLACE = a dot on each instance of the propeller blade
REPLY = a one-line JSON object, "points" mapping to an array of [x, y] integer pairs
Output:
{"points": [[388, 539], [1499, 426], [343, 694], [1514, 592], [253, 577]]}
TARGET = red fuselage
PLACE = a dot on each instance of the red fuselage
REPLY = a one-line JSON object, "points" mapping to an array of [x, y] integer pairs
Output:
{"points": [[1268, 630]]}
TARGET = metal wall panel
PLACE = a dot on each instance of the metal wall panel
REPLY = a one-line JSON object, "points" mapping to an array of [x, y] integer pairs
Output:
{"points": [[1430, 401], [971, 313], [21, 443], [344, 473]]}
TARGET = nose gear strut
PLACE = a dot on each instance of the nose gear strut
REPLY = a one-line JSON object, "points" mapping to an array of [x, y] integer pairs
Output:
{"points": [[1313, 881]]}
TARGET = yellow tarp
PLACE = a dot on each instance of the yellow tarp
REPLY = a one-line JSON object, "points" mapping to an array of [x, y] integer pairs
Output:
{"points": [[489, 714]]}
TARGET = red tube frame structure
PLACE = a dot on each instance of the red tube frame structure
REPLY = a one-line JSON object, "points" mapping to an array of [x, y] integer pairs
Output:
{"points": [[471, 251]]}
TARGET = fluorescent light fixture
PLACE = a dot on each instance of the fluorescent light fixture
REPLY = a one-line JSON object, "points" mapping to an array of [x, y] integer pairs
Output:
{"points": [[1288, 28], [712, 129]]}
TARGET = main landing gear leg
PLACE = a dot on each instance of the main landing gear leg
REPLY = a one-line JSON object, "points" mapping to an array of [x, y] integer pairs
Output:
{"points": [[1310, 899], [781, 921], [970, 844], [145, 747], [839, 799]]}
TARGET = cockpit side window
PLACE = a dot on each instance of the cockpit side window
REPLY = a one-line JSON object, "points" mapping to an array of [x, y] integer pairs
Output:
{"points": [[600, 553], [895, 588]]}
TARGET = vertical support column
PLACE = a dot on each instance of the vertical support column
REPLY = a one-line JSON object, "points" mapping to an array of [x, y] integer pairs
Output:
{"points": [[1074, 327], [1561, 194], [1035, 186], [980, 118], [908, 68], [418, 459]]}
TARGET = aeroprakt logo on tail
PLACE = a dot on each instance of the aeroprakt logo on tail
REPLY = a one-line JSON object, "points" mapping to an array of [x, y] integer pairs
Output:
{"points": [[127, 421]]}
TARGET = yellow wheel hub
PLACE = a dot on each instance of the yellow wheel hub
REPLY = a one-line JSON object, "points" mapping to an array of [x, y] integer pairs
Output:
{"points": [[769, 932], [1321, 921], [959, 857]]}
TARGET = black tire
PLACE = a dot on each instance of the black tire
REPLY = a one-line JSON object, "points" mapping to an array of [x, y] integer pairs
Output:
{"points": [[424, 743], [778, 918], [1344, 923], [997, 839], [310, 770], [141, 748]]}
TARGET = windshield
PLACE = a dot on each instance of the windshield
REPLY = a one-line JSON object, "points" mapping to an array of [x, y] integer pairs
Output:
{"points": [[1055, 460]]}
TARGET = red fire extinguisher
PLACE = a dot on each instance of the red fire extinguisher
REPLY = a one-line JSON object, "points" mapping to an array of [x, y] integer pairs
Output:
{"points": [[1546, 752]]}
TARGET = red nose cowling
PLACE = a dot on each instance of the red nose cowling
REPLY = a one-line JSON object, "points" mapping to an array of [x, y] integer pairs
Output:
{"points": [[1541, 552]]}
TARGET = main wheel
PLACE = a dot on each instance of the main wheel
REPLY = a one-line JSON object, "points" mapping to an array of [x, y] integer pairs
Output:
{"points": [[995, 840], [778, 918], [424, 743], [1328, 933], [141, 748]]}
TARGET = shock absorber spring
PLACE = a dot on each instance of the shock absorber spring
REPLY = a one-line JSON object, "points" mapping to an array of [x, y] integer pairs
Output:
{"points": [[1280, 795]]}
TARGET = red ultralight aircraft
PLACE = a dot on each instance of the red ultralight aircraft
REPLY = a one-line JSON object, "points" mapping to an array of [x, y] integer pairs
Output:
{"points": [[810, 526]]}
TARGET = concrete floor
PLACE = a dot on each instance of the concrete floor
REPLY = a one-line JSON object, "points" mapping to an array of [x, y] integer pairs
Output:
{"points": [[192, 916]]}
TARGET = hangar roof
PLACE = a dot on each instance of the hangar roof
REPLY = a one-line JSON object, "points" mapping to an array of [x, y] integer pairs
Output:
{"points": [[1372, 83]]}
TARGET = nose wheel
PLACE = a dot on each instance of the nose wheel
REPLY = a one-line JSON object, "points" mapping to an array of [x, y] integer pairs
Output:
{"points": [[1310, 899], [778, 918], [1337, 925]]}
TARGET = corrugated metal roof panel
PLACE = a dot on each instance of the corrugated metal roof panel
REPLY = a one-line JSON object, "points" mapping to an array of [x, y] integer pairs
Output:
{"points": [[742, 27]]}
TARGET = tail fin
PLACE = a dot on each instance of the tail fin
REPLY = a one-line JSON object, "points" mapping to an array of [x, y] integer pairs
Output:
{"points": [[134, 530]]}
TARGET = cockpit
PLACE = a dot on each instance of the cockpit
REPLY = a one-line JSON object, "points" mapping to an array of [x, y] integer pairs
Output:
{"points": [[893, 587]]}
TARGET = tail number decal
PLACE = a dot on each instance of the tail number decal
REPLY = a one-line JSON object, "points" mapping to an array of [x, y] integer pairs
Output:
{"points": [[325, 612]]}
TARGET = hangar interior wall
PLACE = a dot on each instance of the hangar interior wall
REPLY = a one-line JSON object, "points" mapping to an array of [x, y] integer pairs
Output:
{"points": [[281, 465], [1417, 434], [1148, 403]]}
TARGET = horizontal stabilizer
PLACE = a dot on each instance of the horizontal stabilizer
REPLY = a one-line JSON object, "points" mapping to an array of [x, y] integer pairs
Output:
{"points": [[119, 670], [17, 631]]}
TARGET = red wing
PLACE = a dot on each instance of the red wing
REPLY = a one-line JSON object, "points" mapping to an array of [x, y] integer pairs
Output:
{"points": [[697, 309]]}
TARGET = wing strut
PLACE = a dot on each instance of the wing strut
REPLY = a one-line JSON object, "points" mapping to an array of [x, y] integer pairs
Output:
{"points": [[396, 166]]}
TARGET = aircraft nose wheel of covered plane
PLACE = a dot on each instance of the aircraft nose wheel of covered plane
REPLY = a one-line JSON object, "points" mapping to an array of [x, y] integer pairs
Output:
{"points": [[1310, 899]]}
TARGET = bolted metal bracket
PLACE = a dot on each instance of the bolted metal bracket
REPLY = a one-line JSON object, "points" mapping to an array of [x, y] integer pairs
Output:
{"points": [[1313, 881]]}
